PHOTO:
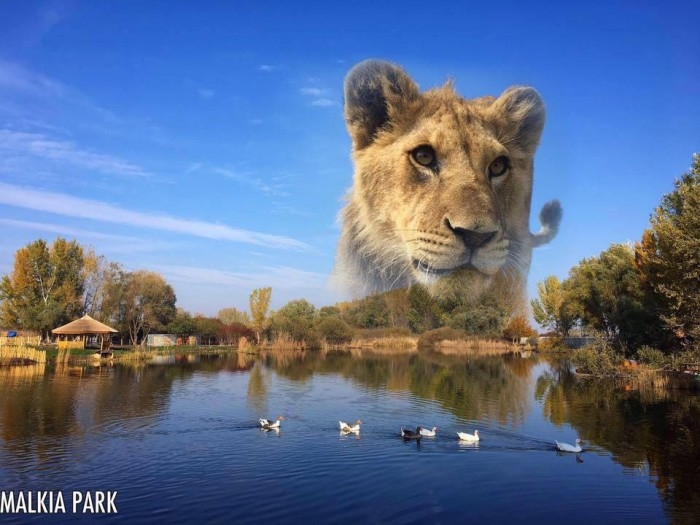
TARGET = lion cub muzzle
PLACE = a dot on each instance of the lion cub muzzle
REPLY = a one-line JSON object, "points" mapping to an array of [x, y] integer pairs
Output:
{"points": [[478, 249], [472, 239]]}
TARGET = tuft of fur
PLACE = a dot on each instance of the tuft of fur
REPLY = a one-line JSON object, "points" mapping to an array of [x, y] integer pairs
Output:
{"points": [[453, 225]]}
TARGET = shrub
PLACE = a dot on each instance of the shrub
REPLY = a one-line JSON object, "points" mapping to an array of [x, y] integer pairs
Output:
{"points": [[597, 360], [551, 344], [378, 333], [651, 356], [334, 330], [428, 340]]}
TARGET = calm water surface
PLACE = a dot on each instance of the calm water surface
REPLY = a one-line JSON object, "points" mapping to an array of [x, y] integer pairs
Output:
{"points": [[180, 442]]}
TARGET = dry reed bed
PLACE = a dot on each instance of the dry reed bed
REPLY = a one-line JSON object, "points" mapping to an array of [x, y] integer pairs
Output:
{"points": [[20, 340], [19, 355], [474, 347], [390, 344]]}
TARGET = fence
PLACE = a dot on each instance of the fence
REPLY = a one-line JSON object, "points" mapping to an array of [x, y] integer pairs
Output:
{"points": [[34, 340], [19, 355]]}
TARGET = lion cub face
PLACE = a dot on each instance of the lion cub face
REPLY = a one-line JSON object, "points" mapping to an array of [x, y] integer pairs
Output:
{"points": [[442, 184]]}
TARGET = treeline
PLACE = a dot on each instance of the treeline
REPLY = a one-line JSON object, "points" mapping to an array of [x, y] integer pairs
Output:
{"points": [[398, 312], [644, 296], [53, 284]]}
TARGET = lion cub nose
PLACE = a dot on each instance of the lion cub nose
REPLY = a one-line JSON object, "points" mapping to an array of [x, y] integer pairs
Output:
{"points": [[471, 238]]}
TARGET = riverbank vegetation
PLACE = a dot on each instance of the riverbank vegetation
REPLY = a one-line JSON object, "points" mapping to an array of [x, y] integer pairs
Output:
{"points": [[641, 300]]}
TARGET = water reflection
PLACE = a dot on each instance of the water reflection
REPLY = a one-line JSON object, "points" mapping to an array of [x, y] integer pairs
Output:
{"points": [[649, 431]]}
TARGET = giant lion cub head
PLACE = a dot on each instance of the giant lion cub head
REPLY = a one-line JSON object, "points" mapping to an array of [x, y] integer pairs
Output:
{"points": [[442, 186]]}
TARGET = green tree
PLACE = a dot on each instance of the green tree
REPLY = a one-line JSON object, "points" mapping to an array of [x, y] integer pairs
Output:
{"points": [[486, 318], [233, 315], [334, 330], [259, 306], [297, 319], [669, 258], [329, 311], [425, 312], [606, 293], [45, 288], [553, 310], [207, 328], [370, 312], [182, 325], [139, 302], [398, 307]]}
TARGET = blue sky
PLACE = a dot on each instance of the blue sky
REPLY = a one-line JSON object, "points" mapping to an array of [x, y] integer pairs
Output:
{"points": [[205, 140]]}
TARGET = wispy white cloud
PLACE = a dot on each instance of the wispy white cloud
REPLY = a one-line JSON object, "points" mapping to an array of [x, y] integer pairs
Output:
{"points": [[70, 206], [64, 230], [276, 188], [279, 277], [266, 67], [318, 95], [117, 243], [16, 78], [324, 102], [284, 209], [28, 146], [193, 167], [41, 90], [312, 91], [28, 96]]}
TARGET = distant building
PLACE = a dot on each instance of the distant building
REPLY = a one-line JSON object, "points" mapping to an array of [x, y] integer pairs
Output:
{"points": [[171, 340], [161, 340]]}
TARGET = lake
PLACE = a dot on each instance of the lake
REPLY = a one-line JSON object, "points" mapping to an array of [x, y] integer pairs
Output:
{"points": [[179, 440]]}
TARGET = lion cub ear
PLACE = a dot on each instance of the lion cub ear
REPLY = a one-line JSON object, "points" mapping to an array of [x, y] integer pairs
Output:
{"points": [[375, 92], [519, 115]]}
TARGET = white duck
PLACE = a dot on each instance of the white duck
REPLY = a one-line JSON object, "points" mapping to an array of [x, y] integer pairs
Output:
{"points": [[428, 433], [344, 427], [565, 447], [270, 423], [469, 437], [410, 434]]}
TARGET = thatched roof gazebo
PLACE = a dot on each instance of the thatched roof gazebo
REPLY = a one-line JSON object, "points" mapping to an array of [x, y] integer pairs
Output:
{"points": [[78, 333]]}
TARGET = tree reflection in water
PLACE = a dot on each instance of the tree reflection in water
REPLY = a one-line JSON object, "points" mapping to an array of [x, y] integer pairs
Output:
{"points": [[643, 427]]}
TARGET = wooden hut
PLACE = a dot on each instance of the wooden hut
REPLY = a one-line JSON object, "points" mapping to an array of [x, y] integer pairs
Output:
{"points": [[83, 332]]}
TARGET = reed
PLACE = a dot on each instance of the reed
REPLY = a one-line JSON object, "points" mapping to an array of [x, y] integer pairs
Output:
{"points": [[474, 346], [389, 344], [244, 345], [20, 340], [19, 355], [63, 355], [284, 341]]}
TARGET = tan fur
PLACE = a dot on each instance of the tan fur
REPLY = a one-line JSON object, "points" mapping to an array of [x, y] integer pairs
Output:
{"points": [[405, 223]]}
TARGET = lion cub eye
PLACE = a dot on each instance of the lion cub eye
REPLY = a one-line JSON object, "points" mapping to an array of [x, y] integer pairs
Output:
{"points": [[425, 156], [499, 167]]}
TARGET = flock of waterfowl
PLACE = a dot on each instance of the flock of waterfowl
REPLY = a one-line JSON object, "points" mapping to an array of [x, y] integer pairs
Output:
{"points": [[354, 428]]}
